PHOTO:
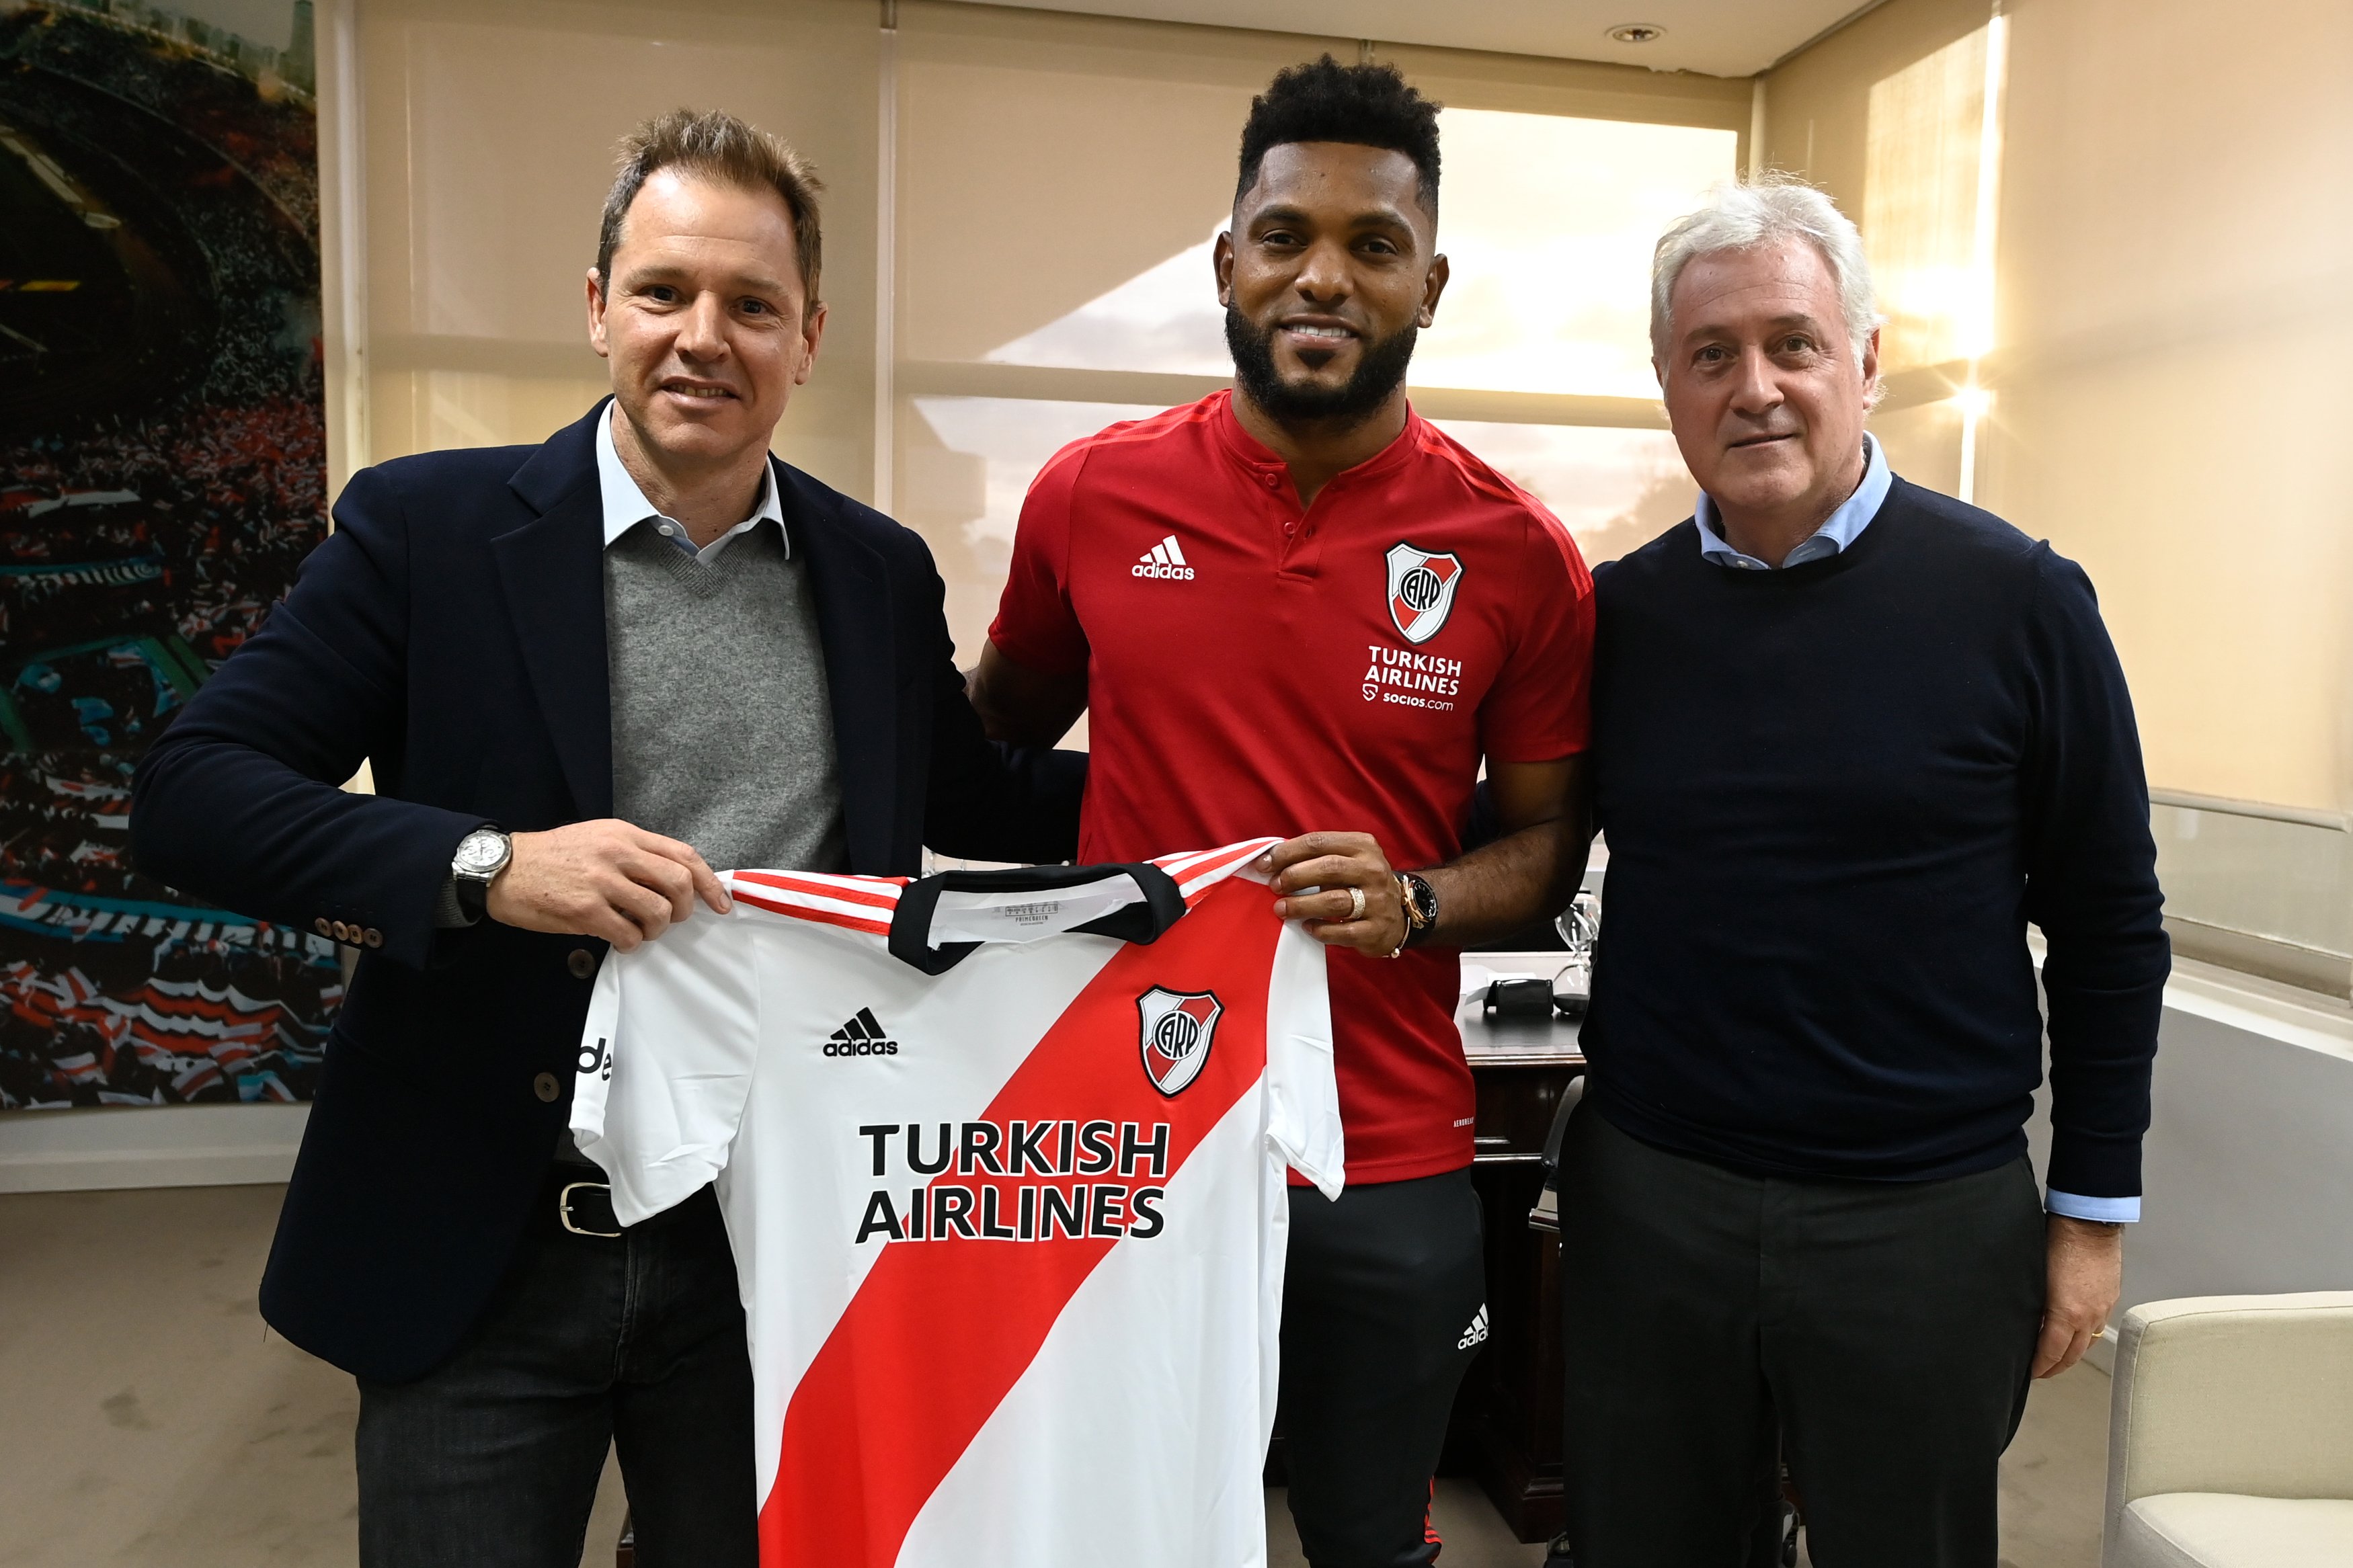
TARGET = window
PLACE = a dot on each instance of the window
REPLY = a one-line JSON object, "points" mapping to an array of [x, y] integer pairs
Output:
{"points": [[1061, 181]]}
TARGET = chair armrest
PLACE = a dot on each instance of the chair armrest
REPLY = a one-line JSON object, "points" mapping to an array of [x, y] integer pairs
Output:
{"points": [[2250, 1395]]}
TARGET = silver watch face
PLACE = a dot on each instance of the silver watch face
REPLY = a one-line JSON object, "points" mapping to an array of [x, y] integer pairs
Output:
{"points": [[480, 853]]}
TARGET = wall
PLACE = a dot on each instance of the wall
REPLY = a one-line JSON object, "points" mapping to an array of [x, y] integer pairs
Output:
{"points": [[2164, 400], [2156, 261], [487, 130], [2250, 1144], [2172, 409]]}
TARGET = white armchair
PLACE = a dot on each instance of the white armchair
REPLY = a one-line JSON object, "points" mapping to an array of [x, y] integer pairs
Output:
{"points": [[2231, 1434]]}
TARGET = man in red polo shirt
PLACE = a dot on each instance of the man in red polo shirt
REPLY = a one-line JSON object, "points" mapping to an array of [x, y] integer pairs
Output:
{"points": [[1297, 609]]}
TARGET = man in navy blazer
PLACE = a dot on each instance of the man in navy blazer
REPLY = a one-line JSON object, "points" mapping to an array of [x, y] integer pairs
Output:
{"points": [[533, 646]]}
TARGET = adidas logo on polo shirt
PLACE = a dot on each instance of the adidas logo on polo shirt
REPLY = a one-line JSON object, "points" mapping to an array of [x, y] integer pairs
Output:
{"points": [[1476, 1334], [1163, 559], [861, 1036]]}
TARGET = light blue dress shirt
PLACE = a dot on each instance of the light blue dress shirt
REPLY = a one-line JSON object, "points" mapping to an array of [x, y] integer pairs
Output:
{"points": [[1843, 529], [626, 505]]}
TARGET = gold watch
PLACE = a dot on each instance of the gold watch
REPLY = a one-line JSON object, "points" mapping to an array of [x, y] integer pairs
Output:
{"points": [[1420, 902]]}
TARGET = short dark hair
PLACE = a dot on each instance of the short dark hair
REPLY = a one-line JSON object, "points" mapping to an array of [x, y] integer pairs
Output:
{"points": [[1363, 105], [717, 146]]}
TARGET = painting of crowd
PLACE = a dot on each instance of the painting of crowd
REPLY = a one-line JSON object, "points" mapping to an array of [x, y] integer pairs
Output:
{"points": [[162, 476]]}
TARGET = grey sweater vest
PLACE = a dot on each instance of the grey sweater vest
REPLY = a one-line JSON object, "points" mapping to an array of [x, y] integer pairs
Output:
{"points": [[722, 729]]}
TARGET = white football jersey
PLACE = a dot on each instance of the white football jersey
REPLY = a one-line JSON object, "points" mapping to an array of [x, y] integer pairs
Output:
{"points": [[1002, 1159]]}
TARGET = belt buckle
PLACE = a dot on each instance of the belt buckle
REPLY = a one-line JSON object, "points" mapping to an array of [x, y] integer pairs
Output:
{"points": [[564, 1207]]}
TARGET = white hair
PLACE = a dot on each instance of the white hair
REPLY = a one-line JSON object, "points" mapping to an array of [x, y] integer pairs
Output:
{"points": [[1742, 215]]}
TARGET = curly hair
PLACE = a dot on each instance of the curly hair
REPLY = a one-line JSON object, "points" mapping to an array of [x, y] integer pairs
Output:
{"points": [[1361, 105]]}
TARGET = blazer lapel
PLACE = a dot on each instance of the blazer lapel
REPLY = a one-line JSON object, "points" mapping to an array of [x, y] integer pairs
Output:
{"points": [[855, 625], [553, 572]]}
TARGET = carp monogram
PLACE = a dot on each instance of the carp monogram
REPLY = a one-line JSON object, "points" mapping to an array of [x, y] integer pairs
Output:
{"points": [[1175, 1029], [1421, 590]]}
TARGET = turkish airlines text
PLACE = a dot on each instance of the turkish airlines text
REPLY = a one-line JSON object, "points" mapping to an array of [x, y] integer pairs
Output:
{"points": [[990, 1186]]}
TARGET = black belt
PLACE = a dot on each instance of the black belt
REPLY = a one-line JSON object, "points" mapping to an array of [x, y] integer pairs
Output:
{"points": [[582, 1204]]}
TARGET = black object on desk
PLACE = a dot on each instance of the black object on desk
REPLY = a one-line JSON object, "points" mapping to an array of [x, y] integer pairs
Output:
{"points": [[1517, 999]]}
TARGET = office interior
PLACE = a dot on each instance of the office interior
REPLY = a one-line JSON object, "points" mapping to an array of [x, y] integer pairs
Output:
{"points": [[2111, 241]]}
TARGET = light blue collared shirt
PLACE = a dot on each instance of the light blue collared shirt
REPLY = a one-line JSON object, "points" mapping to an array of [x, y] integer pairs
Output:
{"points": [[1843, 529], [626, 505]]}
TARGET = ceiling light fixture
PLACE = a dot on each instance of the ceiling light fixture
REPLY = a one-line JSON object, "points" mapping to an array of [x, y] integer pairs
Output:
{"points": [[1637, 33]]}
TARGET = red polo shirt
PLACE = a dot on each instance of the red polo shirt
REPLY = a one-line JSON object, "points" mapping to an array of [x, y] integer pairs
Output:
{"points": [[1257, 668]]}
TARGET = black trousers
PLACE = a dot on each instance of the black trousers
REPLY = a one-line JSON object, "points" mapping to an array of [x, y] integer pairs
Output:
{"points": [[1879, 1334], [1383, 1308], [637, 1342]]}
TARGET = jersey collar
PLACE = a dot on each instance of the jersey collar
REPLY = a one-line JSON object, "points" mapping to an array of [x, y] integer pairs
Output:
{"points": [[1265, 467]]}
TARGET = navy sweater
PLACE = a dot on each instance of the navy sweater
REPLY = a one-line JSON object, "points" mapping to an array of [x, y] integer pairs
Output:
{"points": [[1835, 798]]}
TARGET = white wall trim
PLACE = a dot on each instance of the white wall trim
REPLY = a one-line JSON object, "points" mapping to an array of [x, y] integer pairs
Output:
{"points": [[169, 1146], [2291, 1014], [2276, 1011]]}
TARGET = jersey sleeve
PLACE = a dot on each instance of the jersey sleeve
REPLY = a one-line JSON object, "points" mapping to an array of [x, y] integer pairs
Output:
{"points": [[1539, 708], [1036, 625], [1302, 1091], [666, 1062]]}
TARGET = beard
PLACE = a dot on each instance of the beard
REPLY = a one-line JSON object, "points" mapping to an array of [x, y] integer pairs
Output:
{"points": [[1380, 371]]}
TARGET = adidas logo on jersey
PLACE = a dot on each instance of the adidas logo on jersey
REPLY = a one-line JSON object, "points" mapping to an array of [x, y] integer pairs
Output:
{"points": [[1163, 559], [861, 1036], [1476, 1334]]}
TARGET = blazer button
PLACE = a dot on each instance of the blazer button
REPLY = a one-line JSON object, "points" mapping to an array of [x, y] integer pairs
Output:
{"points": [[546, 1087], [373, 937], [322, 927], [342, 931], [583, 964]]}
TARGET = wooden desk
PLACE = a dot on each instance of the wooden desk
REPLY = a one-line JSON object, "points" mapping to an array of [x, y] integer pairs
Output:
{"points": [[1507, 1428]]}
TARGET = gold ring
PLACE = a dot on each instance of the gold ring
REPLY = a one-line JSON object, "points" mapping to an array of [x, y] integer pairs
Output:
{"points": [[1356, 903]]}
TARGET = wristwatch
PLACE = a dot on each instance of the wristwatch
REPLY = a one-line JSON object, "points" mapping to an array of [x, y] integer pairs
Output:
{"points": [[481, 856], [1420, 900]]}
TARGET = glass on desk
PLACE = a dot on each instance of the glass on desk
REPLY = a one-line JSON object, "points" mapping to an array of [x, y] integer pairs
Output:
{"points": [[1580, 926]]}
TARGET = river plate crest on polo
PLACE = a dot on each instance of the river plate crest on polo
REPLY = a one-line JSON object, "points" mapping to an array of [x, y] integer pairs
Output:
{"points": [[1421, 590], [1175, 1029]]}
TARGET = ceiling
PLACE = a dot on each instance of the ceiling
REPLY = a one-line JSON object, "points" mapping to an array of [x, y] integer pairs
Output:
{"points": [[1719, 38]]}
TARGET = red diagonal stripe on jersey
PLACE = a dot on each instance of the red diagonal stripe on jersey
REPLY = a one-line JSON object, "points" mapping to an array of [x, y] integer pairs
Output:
{"points": [[823, 917], [939, 1332], [1214, 863], [876, 891]]}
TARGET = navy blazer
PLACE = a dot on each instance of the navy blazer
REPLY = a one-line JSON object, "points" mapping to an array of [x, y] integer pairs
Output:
{"points": [[451, 633]]}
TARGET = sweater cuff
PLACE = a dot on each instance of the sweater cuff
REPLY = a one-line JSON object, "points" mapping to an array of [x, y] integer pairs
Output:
{"points": [[2095, 1164], [2101, 1211]]}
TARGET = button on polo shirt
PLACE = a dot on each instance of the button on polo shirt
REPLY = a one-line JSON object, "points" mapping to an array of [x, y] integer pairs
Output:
{"points": [[1256, 667]]}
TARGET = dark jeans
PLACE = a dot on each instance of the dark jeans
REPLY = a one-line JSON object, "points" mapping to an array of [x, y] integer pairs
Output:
{"points": [[1880, 1335], [491, 1461], [1383, 1303]]}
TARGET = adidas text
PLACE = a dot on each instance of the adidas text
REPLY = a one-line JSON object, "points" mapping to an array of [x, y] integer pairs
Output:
{"points": [[1165, 560], [863, 1036], [1476, 1334]]}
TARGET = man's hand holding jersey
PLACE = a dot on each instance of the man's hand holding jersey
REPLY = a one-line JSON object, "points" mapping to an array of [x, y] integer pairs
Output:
{"points": [[604, 879], [1343, 885]]}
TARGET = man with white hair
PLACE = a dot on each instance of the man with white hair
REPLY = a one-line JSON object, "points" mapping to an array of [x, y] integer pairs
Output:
{"points": [[1850, 739]]}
